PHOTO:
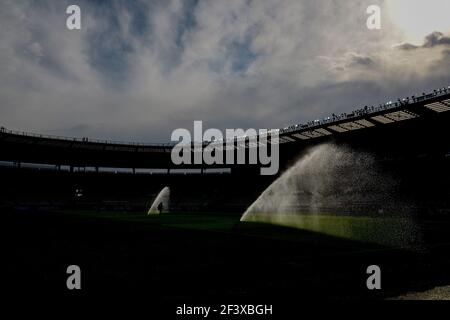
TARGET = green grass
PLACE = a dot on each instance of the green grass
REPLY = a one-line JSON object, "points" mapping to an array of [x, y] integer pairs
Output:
{"points": [[297, 228], [391, 231]]}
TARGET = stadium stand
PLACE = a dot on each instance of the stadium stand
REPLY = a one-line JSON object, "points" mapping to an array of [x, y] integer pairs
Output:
{"points": [[409, 137]]}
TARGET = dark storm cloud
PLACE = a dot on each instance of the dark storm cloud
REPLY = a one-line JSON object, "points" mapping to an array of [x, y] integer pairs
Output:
{"points": [[139, 69], [359, 60], [434, 39], [362, 61], [407, 46]]}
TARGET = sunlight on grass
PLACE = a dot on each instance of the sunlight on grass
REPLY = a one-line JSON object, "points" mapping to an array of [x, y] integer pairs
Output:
{"points": [[384, 230]]}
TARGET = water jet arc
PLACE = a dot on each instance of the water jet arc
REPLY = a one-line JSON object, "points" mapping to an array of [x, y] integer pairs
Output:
{"points": [[161, 202]]}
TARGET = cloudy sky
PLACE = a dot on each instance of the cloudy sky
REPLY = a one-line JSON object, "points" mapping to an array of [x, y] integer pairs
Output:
{"points": [[139, 69]]}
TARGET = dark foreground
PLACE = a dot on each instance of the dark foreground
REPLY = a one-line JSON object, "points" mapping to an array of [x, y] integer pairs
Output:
{"points": [[208, 259]]}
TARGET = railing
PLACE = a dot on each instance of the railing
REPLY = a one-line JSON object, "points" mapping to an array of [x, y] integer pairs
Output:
{"points": [[114, 170], [56, 137], [368, 110]]}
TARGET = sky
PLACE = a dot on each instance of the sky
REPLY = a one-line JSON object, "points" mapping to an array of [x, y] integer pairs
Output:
{"points": [[137, 70]]}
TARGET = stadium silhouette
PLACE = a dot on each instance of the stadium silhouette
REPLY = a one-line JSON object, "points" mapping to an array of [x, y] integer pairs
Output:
{"points": [[82, 200]]}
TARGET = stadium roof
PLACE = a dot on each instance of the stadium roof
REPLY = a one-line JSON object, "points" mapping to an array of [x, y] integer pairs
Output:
{"points": [[407, 113]]}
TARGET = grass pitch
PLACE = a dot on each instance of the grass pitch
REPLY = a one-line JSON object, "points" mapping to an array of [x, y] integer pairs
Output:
{"points": [[207, 257]]}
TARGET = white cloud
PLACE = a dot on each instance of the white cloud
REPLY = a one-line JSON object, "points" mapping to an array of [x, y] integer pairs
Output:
{"points": [[231, 63]]}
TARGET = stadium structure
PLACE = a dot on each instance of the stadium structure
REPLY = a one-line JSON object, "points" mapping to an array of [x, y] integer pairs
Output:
{"points": [[68, 201], [409, 136]]}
